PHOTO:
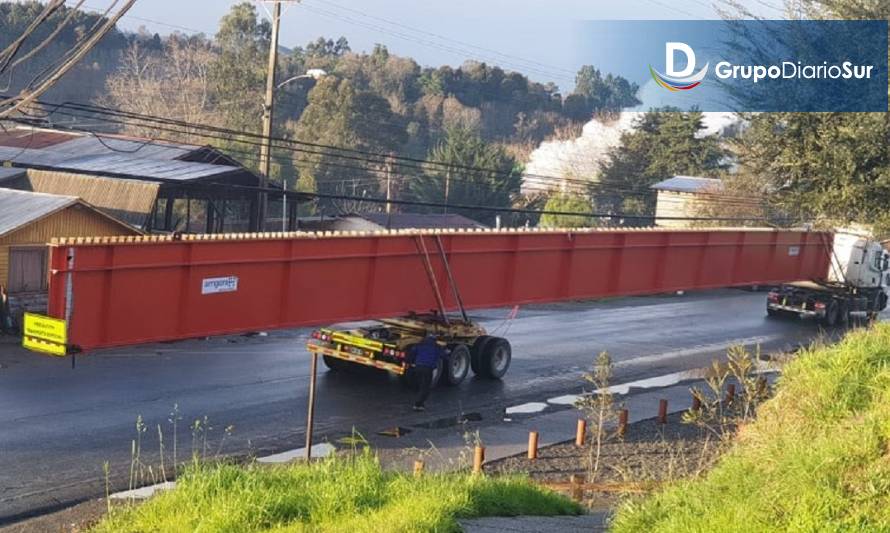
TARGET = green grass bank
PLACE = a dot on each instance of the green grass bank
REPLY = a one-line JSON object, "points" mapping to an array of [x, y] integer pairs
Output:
{"points": [[816, 459], [337, 494]]}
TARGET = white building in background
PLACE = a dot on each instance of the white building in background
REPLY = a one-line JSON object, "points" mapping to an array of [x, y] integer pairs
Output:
{"points": [[684, 197]]}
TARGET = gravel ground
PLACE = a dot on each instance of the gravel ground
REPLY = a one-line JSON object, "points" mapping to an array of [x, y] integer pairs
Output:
{"points": [[649, 455]]}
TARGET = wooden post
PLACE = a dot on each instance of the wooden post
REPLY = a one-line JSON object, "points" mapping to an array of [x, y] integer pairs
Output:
{"points": [[310, 418], [478, 459], [577, 490], [622, 423], [418, 468], [696, 403], [730, 393], [662, 411], [580, 432], [533, 445]]}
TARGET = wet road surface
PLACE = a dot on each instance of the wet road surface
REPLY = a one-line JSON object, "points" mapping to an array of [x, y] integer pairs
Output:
{"points": [[58, 425]]}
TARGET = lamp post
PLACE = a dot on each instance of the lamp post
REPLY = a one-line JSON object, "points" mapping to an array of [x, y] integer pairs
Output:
{"points": [[315, 74]]}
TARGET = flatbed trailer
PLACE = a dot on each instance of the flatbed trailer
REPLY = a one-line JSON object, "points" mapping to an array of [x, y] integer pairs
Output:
{"points": [[386, 345]]}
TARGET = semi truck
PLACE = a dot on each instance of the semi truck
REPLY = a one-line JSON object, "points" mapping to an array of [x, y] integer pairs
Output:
{"points": [[856, 284]]}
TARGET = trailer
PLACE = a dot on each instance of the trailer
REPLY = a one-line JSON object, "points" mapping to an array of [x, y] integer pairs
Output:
{"points": [[855, 285], [385, 344]]}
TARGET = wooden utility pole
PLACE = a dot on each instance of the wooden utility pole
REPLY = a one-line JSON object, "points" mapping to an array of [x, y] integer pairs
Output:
{"points": [[268, 113], [388, 168]]}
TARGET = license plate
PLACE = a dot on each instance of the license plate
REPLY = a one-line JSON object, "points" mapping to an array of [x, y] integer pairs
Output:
{"points": [[356, 351]]}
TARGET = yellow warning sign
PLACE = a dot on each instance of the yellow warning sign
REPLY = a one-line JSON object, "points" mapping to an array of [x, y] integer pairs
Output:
{"points": [[45, 334]]}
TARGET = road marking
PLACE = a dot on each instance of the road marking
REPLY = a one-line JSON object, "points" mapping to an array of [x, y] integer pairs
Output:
{"points": [[526, 408], [685, 352], [318, 450], [664, 380]]}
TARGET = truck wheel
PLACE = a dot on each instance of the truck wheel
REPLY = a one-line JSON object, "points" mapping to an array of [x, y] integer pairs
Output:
{"points": [[476, 353], [773, 313], [456, 366], [831, 315], [495, 358]]}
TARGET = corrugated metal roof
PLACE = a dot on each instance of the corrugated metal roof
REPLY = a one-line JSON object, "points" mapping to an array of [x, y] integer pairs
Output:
{"points": [[34, 138], [90, 145], [20, 208], [418, 221], [158, 169], [128, 200], [117, 164], [31, 156], [690, 184]]}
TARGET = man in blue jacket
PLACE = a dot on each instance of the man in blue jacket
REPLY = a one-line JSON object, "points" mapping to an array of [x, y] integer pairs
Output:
{"points": [[426, 355]]}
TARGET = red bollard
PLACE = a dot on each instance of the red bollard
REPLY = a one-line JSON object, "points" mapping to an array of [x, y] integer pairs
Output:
{"points": [[730, 393], [662, 411], [696, 403], [580, 432]]}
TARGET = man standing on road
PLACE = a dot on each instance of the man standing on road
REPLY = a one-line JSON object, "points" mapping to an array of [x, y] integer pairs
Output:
{"points": [[426, 355]]}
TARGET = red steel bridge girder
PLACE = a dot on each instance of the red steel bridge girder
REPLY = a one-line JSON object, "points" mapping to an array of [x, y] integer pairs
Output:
{"points": [[125, 291]]}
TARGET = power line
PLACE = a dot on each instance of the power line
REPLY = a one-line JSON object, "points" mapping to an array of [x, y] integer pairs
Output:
{"points": [[594, 187], [445, 38]]}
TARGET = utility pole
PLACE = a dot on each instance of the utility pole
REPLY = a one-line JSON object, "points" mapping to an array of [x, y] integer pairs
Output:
{"points": [[268, 112], [389, 162]]}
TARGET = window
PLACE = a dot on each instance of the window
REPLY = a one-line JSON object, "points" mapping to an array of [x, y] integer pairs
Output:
{"points": [[27, 269]]}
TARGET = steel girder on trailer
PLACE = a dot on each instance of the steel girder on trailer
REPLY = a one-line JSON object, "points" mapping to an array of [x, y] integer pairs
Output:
{"points": [[126, 291]]}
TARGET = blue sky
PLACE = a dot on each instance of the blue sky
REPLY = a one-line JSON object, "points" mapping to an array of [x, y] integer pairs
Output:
{"points": [[539, 38]]}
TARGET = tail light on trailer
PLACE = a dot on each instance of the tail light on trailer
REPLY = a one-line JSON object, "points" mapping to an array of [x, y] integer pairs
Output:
{"points": [[820, 306], [773, 296], [392, 352], [321, 336]]}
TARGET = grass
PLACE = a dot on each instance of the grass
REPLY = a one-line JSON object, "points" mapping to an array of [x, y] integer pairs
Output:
{"points": [[338, 494], [817, 458]]}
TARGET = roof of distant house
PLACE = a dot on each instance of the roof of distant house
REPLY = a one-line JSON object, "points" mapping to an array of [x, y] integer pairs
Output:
{"points": [[690, 184], [20, 208], [114, 155]]}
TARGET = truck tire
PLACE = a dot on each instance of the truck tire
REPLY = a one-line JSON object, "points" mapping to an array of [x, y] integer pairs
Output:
{"points": [[456, 366], [476, 353], [773, 313], [495, 358]]}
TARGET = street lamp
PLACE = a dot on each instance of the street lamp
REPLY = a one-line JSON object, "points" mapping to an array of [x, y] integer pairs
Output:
{"points": [[315, 74]]}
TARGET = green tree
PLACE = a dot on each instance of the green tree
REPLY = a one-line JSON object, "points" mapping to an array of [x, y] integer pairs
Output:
{"points": [[595, 93], [451, 184], [661, 144], [239, 71], [567, 203], [338, 115], [833, 168]]}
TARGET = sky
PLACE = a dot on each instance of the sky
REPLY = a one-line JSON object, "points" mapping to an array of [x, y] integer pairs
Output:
{"points": [[539, 38]]}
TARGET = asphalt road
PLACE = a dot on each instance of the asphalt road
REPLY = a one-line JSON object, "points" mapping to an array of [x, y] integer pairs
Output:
{"points": [[59, 425]]}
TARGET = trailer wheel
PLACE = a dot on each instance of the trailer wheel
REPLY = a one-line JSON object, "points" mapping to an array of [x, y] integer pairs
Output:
{"points": [[456, 366], [495, 358], [476, 353], [773, 313]]}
